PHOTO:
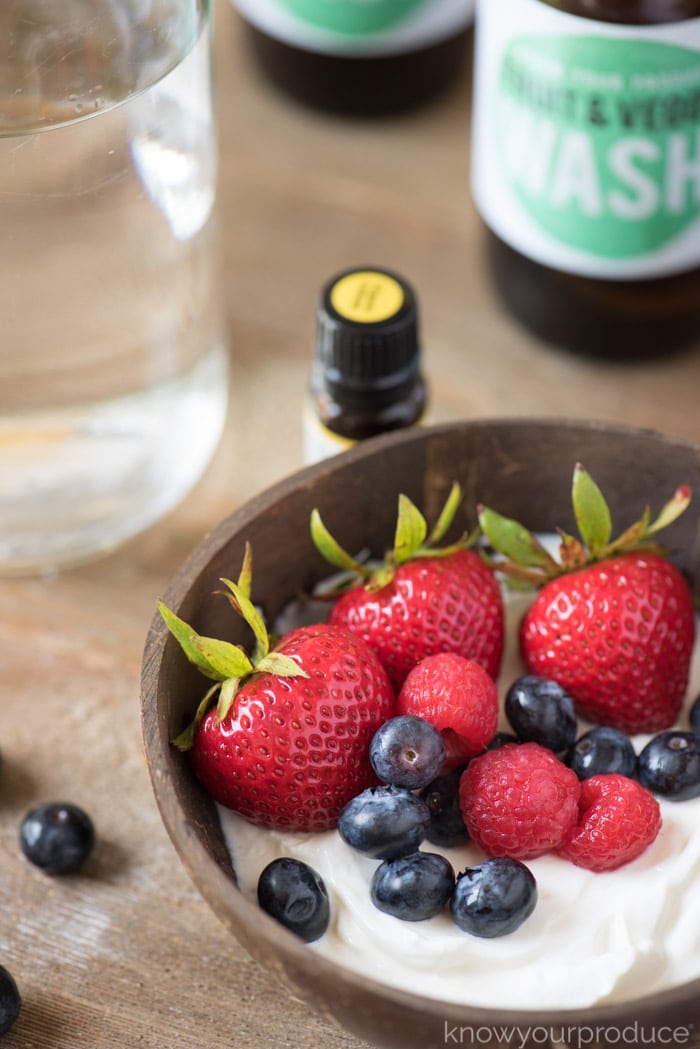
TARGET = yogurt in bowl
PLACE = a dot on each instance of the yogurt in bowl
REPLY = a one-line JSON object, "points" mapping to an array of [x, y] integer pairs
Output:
{"points": [[593, 937]]}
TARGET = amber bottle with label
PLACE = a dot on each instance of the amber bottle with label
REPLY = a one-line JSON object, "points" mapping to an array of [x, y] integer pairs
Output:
{"points": [[359, 58], [366, 377], [586, 169]]}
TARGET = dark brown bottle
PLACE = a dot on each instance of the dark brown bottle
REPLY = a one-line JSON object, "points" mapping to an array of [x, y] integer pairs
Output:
{"points": [[607, 260], [366, 377], [359, 59]]}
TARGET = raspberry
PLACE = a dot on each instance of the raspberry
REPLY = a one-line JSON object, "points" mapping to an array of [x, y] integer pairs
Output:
{"points": [[618, 819], [458, 697], [519, 801]]}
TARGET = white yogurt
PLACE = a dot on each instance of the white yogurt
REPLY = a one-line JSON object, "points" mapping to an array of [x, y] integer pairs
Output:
{"points": [[592, 937]]}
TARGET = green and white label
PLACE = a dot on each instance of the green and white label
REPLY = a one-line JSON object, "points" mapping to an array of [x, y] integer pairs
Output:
{"points": [[356, 17], [358, 27], [586, 144]]}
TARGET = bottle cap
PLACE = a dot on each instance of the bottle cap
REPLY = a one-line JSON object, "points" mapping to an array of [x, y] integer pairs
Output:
{"points": [[367, 334]]}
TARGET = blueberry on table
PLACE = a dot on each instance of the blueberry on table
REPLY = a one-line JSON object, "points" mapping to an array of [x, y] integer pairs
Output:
{"points": [[540, 711], [413, 887], [294, 894], [669, 765], [10, 1000], [494, 898], [384, 822], [58, 837], [447, 826], [407, 751], [602, 750]]}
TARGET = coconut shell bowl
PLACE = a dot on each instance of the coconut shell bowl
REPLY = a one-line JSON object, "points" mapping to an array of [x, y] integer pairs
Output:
{"points": [[521, 467]]}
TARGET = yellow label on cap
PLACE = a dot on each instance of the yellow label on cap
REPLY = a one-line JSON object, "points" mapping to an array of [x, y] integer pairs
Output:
{"points": [[367, 296]]}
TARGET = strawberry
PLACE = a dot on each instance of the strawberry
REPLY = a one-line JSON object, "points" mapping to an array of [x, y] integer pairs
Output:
{"points": [[458, 698], [613, 622], [422, 599], [287, 744]]}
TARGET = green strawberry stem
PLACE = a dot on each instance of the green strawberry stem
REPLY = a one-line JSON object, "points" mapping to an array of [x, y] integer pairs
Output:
{"points": [[411, 541], [227, 664], [524, 560]]}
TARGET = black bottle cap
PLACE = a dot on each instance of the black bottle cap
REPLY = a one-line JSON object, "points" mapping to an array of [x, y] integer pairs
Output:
{"points": [[367, 334]]}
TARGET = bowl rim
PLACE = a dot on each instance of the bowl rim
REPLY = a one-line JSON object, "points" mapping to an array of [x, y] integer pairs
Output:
{"points": [[216, 885]]}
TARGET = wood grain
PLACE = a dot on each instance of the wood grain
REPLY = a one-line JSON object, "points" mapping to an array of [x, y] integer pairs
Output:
{"points": [[127, 954]]}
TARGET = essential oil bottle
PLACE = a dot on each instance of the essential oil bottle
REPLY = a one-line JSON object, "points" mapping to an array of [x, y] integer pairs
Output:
{"points": [[366, 376]]}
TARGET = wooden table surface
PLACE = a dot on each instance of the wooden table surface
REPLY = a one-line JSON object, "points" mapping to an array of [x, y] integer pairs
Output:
{"points": [[126, 954]]}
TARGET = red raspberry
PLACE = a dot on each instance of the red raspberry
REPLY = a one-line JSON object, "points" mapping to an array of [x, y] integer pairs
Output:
{"points": [[519, 801], [618, 818], [458, 697]]}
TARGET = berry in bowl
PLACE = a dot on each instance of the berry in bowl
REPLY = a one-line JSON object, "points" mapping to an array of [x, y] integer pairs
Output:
{"points": [[458, 789]]}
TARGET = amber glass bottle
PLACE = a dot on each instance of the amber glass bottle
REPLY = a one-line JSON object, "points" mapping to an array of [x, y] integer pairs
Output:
{"points": [[586, 169], [366, 378], [359, 58]]}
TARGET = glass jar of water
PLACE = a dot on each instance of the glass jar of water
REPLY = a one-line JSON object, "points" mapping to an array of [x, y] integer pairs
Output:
{"points": [[113, 372]]}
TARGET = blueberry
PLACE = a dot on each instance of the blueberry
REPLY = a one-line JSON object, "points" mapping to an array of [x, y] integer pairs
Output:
{"points": [[10, 1000], [601, 750], [694, 717], [669, 765], [407, 752], [442, 798], [384, 822], [58, 837], [541, 712], [294, 893], [494, 898], [413, 887]]}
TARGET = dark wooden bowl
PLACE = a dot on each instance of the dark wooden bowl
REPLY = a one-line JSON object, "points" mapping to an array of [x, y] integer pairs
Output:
{"points": [[523, 468]]}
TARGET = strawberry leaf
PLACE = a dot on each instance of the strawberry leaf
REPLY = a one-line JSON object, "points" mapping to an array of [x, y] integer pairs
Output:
{"points": [[517, 576], [572, 552], [245, 578], [254, 620], [513, 540], [411, 530], [632, 536], [333, 551], [283, 666], [226, 659], [591, 511], [186, 638], [226, 697], [186, 738], [381, 577], [672, 510], [447, 515]]}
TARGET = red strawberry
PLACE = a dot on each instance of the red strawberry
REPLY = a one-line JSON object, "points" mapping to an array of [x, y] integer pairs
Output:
{"points": [[422, 599], [618, 819], [519, 801], [614, 622], [287, 746], [639, 648], [458, 697]]}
